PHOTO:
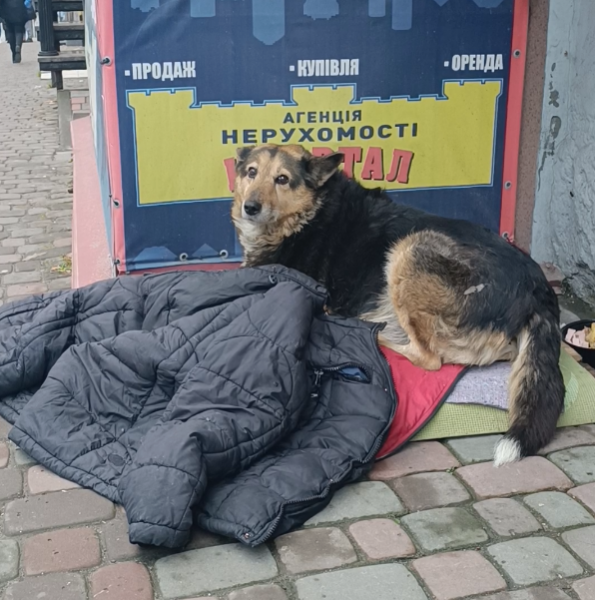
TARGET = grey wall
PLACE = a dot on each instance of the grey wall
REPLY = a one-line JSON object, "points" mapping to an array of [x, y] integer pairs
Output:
{"points": [[564, 215]]}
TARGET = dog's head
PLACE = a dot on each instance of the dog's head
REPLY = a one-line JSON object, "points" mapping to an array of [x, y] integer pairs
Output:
{"points": [[276, 187]]}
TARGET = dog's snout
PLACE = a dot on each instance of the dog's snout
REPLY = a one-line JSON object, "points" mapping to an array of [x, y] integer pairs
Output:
{"points": [[252, 207]]}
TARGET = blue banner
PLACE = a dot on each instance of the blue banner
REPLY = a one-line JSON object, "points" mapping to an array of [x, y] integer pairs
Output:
{"points": [[414, 93]]}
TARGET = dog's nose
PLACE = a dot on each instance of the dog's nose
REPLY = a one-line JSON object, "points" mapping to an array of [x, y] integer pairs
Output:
{"points": [[252, 208]]}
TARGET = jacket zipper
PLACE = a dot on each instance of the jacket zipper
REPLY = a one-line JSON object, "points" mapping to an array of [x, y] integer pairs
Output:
{"points": [[319, 373]]}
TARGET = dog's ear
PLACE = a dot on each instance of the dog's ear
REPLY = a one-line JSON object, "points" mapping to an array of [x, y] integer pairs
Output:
{"points": [[242, 155], [322, 168]]}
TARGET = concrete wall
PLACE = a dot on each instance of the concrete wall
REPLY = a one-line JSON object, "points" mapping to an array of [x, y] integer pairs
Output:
{"points": [[564, 215]]}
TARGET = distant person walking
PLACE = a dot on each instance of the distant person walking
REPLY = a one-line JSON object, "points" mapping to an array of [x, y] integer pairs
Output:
{"points": [[30, 25], [14, 14]]}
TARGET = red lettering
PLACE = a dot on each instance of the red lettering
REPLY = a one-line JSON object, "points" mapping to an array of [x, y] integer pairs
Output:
{"points": [[373, 165], [230, 169], [400, 166], [352, 156]]}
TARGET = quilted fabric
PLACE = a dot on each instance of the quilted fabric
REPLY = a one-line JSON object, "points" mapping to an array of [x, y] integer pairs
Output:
{"points": [[229, 399]]}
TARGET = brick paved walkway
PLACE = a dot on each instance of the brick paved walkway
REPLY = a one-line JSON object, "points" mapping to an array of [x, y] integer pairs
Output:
{"points": [[35, 206], [435, 521]]}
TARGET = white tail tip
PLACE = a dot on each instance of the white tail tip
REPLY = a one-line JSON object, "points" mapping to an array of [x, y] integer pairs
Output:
{"points": [[506, 451]]}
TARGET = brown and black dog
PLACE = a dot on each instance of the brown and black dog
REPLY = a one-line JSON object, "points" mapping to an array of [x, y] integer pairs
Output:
{"points": [[449, 291]]}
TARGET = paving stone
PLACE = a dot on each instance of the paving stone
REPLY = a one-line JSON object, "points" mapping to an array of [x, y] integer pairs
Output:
{"points": [[61, 550], [585, 494], [585, 588], [5, 427], [589, 427], [458, 574], [359, 500], [22, 458], [507, 517], [577, 463], [60, 283], [205, 539], [416, 457], [58, 509], [37, 211], [444, 529], [582, 543], [11, 483], [534, 560], [315, 550], [474, 449], [534, 593], [26, 231], [4, 455], [6, 251], [27, 277], [532, 474], [56, 586], [259, 592], [9, 560], [558, 509], [378, 582], [41, 480], [430, 490], [24, 289], [67, 242], [114, 534], [10, 259], [125, 581], [568, 437], [198, 571], [27, 266], [381, 539]]}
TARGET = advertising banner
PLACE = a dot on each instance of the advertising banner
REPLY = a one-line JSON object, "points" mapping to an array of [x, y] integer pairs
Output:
{"points": [[413, 92]]}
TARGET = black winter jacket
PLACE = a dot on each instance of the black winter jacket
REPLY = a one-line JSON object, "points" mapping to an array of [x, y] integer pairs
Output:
{"points": [[14, 12], [228, 395]]}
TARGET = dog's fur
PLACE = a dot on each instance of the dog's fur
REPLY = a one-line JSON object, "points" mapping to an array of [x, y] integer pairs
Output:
{"points": [[450, 291]]}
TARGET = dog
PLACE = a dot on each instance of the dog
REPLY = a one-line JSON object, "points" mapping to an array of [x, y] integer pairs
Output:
{"points": [[449, 291]]}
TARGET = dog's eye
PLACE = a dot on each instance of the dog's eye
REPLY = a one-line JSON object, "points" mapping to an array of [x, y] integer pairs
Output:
{"points": [[252, 172], [282, 180]]}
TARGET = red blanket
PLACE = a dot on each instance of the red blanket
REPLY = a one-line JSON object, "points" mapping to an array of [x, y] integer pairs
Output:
{"points": [[419, 395]]}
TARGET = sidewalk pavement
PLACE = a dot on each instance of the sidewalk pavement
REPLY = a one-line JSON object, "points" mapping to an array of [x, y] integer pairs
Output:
{"points": [[435, 521]]}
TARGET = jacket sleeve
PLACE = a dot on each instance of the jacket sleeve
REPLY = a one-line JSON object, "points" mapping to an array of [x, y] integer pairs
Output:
{"points": [[241, 397], [35, 332]]}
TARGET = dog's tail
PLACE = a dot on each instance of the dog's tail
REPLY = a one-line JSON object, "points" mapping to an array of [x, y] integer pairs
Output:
{"points": [[535, 391]]}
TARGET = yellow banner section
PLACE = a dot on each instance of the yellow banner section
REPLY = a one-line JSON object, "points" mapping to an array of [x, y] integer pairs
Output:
{"points": [[185, 152]]}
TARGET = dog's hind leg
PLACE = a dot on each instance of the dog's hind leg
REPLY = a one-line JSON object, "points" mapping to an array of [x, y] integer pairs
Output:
{"points": [[422, 292], [413, 351], [397, 338]]}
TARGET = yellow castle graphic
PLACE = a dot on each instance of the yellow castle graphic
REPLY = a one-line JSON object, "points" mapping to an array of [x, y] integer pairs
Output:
{"points": [[185, 151]]}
